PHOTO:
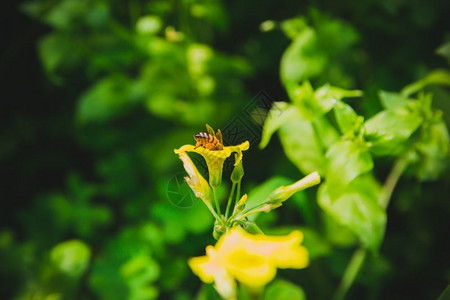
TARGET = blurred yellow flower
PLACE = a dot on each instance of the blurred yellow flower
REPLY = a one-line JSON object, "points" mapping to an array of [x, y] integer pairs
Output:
{"points": [[215, 159], [250, 259]]}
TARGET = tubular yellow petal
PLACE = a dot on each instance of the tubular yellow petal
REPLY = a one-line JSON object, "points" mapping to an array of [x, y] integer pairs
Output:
{"points": [[196, 182]]}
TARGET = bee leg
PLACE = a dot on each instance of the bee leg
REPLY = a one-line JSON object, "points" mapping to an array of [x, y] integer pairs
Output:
{"points": [[197, 145], [210, 146]]}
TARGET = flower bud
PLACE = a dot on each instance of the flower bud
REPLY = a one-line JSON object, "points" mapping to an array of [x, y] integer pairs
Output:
{"points": [[283, 193], [240, 206], [251, 227], [219, 230], [238, 171]]}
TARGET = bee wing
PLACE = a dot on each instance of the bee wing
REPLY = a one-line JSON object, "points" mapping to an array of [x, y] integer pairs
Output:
{"points": [[210, 130], [219, 136]]}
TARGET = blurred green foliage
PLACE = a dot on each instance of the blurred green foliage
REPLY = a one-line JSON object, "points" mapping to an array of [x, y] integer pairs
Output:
{"points": [[89, 215]]}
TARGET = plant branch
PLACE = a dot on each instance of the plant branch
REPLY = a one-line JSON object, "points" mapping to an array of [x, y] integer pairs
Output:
{"points": [[216, 202], [391, 181], [230, 200], [350, 273], [238, 193]]}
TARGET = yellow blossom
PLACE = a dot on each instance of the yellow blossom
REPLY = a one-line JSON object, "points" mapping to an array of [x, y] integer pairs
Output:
{"points": [[250, 259], [215, 159], [196, 182]]}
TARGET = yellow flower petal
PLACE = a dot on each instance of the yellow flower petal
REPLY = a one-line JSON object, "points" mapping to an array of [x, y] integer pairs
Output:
{"points": [[285, 251], [225, 285], [250, 268], [207, 266], [196, 182]]}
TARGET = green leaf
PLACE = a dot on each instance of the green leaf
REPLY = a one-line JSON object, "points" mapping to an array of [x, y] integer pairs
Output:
{"points": [[302, 146], [312, 104], [284, 290], [337, 234], [432, 152], [444, 50], [393, 101], [437, 77], [327, 134], [345, 161], [71, 257], [67, 12], [346, 117], [388, 130], [302, 95], [125, 269], [302, 59], [315, 243], [148, 25], [207, 292], [280, 113], [335, 93], [293, 27], [138, 273], [58, 52], [140, 269], [198, 219], [357, 208], [445, 294], [107, 99]]}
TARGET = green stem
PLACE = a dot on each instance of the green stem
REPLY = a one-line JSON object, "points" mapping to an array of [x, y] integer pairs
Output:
{"points": [[238, 193], [255, 207], [245, 215], [249, 211], [350, 273], [357, 260], [229, 221], [391, 181], [230, 200], [216, 216], [216, 202]]}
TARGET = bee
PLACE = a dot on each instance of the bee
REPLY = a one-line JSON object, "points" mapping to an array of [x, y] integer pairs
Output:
{"points": [[210, 140]]}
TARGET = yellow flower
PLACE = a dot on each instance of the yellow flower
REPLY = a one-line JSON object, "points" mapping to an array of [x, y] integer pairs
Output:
{"points": [[196, 182], [250, 259], [215, 159]]}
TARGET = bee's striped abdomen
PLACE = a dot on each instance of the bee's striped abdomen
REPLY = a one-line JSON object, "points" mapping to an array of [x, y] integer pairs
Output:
{"points": [[204, 136]]}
